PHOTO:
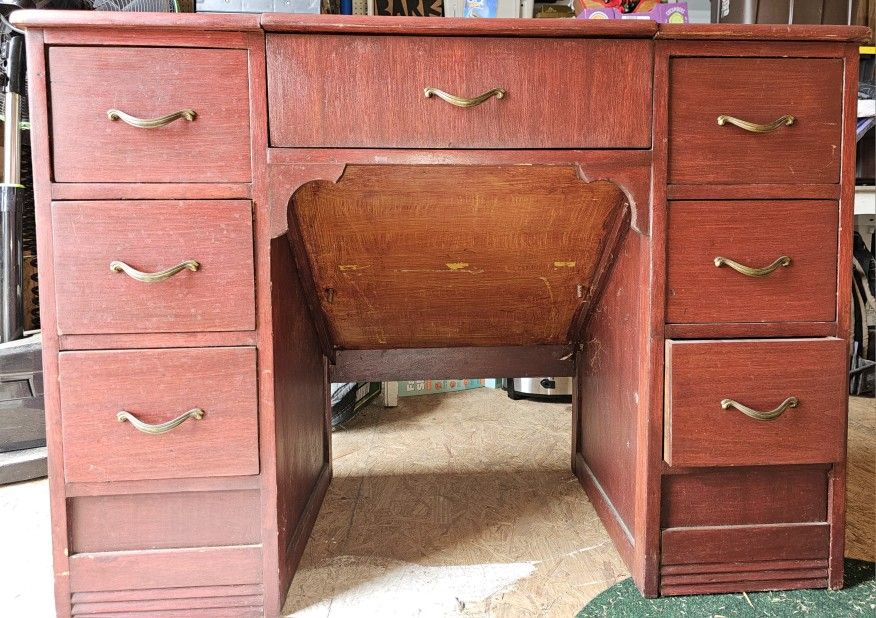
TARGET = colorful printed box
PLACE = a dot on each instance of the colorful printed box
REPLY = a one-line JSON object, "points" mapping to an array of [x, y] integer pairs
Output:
{"points": [[411, 388]]}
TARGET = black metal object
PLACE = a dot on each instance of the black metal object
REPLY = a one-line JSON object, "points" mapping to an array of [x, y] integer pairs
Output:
{"points": [[22, 417]]}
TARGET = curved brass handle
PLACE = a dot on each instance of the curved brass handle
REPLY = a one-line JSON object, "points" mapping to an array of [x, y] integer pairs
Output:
{"points": [[195, 413], [790, 402], [151, 123], [117, 267], [748, 271], [786, 120], [463, 101]]}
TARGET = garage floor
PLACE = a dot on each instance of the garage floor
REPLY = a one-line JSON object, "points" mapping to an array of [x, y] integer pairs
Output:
{"points": [[458, 504]]}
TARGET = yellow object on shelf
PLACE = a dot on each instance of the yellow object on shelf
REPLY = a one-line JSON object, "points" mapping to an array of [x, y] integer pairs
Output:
{"points": [[867, 49]]}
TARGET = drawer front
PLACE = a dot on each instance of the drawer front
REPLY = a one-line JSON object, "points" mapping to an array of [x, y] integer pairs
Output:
{"points": [[152, 237], [86, 82], [164, 520], [154, 387], [752, 234], [757, 90], [760, 375], [368, 91]]}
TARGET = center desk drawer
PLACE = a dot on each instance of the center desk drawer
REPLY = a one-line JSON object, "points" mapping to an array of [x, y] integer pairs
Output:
{"points": [[86, 83], [755, 402], [153, 266], [370, 91], [762, 91], [158, 414]]}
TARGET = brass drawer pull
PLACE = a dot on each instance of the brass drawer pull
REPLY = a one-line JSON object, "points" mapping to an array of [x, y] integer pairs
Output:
{"points": [[748, 271], [790, 402], [786, 120], [195, 413], [463, 101], [117, 267], [151, 123]]}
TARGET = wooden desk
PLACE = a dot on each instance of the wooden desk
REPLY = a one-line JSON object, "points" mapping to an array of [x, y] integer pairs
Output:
{"points": [[332, 218]]}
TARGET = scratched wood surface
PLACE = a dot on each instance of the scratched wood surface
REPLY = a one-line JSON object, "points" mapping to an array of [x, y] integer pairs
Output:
{"points": [[371, 92], [758, 90], [156, 386], [759, 374], [85, 82], [401, 246]]}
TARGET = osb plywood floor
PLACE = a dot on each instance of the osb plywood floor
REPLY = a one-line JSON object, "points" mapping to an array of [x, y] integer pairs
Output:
{"points": [[458, 504], [464, 505], [448, 505]]}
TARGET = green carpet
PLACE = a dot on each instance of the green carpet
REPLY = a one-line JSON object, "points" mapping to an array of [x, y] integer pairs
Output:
{"points": [[857, 598]]}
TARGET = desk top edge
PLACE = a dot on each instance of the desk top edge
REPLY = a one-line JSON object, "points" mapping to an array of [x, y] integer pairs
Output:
{"points": [[447, 26]]}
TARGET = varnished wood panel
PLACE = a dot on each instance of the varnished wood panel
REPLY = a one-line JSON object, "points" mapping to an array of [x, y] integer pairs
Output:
{"points": [[744, 496], [165, 520], [151, 236], [310, 99], [444, 256], [724, 544], [165, 568], [277, 22], [448, 363], [608, 382], [757, 90], [760, 374], [85, 82], [156, 386], [303, 455], [753, 233]]}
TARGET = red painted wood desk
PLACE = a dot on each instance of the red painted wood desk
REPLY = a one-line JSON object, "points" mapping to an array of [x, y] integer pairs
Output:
{"points": [[233, 210]]}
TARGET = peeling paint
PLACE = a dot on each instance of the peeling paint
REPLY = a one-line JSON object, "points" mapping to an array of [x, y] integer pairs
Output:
{"points": [[564, 264], [346, 267], [457, 265]]}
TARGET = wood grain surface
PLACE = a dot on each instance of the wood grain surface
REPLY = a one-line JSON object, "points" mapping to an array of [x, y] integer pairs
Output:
{"points": [[449, 363], [759, 374], [163, 521], [151, 236], [165, 568], [310, 100], [400, 246], [758, 90], [302, 427], [753, 233], [745, 496], [84, 82], [156, 386]]}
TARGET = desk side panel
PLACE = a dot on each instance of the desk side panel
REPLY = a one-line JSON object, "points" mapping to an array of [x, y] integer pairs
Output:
{"points": [[303, 451]]}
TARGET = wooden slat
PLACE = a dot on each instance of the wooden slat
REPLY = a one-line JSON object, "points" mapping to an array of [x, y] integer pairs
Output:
{"points": [[282, 22], [163, 521], [744, 543], [753, 192], [744, 496], [166, 568], [166, 605], [446, 363], [763, 32], [167, 593], [753, 576], [736, 567], [743, 586], [148, 191]]}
